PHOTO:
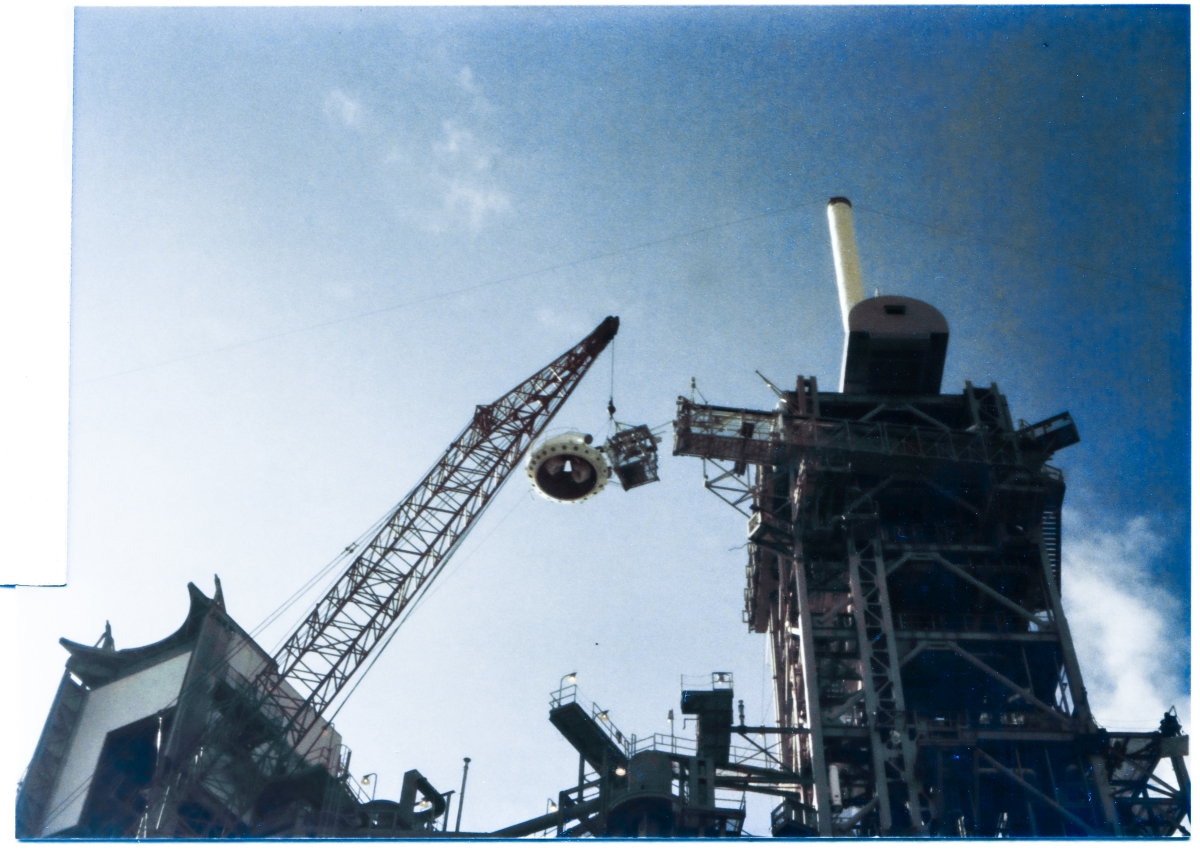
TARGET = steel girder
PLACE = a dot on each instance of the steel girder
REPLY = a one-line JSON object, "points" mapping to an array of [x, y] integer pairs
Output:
{"points": [[1028, 765]]}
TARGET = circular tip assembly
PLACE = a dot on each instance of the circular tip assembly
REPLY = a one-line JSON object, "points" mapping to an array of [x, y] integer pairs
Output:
{"points": [[567, 468], [840, 200]]}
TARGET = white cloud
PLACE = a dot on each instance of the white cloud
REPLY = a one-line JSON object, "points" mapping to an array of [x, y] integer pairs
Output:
{"points": [[339, 107], [463, 167], [1127, 627], [570, 322], [450, 177], [476, 202], [464, 149]]}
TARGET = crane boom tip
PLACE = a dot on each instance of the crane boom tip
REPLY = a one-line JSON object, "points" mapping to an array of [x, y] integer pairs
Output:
{"points": [[598, 339]]}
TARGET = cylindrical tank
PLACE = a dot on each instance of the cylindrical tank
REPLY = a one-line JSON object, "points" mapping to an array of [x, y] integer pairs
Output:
{"points": [[845, 257], [895, 346], [642, 804]]}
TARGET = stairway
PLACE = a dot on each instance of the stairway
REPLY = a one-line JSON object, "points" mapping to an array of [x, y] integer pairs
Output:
{"points": [[587, 736], [1052, 537]]}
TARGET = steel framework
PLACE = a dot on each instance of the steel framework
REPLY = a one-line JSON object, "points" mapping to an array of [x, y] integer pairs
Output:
{"points": [[414, 543], [248, 737], [904, 562]]}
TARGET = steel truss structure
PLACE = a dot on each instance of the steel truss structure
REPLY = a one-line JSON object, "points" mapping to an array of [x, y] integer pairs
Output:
{"points": [[662, 785], [904, 562], [247, 759]]}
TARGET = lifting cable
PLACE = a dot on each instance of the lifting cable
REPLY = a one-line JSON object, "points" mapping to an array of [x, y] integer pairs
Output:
{"points": [[1020, 249], [612, 379], [616, 253], [217, 663], [641, 246]]}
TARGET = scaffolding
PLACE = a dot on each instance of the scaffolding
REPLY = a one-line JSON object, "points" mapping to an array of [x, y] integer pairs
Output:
{"points": [[904, 563]]}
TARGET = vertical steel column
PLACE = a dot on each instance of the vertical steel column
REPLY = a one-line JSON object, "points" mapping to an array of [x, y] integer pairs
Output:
{"points": [[908, 747], [785, 703], [886, 712], [871, 696], [1075, 684], [812, 699]]}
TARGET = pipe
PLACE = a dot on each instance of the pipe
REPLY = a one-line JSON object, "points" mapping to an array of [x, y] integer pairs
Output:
{"points": [[845, 257], [414, 781], [545, 821]]}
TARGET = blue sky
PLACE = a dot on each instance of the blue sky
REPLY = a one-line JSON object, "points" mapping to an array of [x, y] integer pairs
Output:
{"points": [[305, 243]]}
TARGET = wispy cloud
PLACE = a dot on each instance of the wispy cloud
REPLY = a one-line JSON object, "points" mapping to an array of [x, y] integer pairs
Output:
{"points": [[569, 321], [476, 202], [463, 166], [463, 149], [449, 175], [340, 107], [466, 79], [1129, 629]]}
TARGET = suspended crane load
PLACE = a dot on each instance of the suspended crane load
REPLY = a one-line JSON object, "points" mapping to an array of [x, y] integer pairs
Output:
{"points": [[239, 743], [633, 451], [568, 468]]}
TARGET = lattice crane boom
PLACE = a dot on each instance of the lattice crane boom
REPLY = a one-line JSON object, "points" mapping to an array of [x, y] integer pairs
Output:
{"points": [[394, 569], [228, 761]]}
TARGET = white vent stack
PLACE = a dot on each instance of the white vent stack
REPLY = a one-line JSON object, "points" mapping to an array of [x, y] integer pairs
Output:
{"points": [[845, 257], [895, 345]]}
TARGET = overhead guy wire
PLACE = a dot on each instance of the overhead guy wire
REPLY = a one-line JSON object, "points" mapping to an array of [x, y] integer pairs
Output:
{"points": [[415, 301], [1020, 249], [616, 253]]}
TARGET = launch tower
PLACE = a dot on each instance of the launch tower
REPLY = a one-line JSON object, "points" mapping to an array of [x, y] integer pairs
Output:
{"points": [[904, 561]]}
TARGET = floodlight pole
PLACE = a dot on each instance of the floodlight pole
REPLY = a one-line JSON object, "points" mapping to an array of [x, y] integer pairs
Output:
{"points": [[462, 793]]}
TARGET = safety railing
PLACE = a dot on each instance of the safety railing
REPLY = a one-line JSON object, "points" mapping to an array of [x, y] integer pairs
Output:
{"points": [[662, 743], [719, 681], [569, 693], [893, 439], [764, 755], [725, 799], [755, 436], [564, 695], [354, 786]]}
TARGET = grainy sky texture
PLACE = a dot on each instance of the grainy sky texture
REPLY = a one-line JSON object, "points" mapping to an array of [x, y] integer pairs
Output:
{"points": [[307, 242]]}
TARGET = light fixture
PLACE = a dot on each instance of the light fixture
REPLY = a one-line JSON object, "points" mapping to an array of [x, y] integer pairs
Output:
{"points": [[604, 716], [620, 771], [571, 679], [423, 805], [366, 780]]}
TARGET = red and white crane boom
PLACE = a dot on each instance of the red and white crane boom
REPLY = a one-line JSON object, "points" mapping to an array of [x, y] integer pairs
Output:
{"points": [[229, 761], [413, 545]]}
